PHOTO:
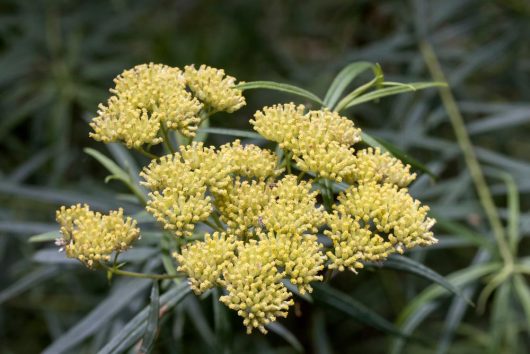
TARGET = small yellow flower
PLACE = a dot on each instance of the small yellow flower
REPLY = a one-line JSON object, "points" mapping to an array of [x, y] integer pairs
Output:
{"points": [[91, 236], [254, 287], [354, 243], [250, 160], [280, 123], [145, 98], [243, 205], [300, 256], [389, 211], [205, 261], [372, 165], [215, 89], [292, 208]]}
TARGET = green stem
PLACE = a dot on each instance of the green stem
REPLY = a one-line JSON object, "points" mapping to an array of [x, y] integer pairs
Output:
{"points": [[288, 156], [165, 136], [138, 275], [217, 221], [213, 226], [464, 141], [146, 153]]}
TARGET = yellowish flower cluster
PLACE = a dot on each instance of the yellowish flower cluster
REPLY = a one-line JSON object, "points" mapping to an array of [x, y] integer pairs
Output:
{"points": [[205, 262], [266, 222], [92, 237], [254, 287], [372, 221], [215, 89], [152, 97], [372, 165], [320, 141]]}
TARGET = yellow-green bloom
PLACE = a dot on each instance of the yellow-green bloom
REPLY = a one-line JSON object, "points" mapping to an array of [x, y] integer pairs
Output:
{"points": [[292, 208], [242, 206], [280, 123], [300, 256], [389, 211], [353, 243], [254, 288], [250, 160], [205, 261], [91, 236], [145, 98], [372, 165], [215, 89]]}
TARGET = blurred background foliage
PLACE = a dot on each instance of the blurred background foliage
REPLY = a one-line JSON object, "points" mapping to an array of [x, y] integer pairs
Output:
{"points": [[58, 59]]}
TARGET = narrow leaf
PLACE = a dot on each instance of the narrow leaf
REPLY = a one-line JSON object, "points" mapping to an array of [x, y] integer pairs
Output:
{"points": [[271, 85], [343, 79], [390, 91], [135, 328], [98, 317], [287, 335], [411, 266], [27, 282], [231, 132], [523, 294], [45, 237], [151, 327], [347, 305]]}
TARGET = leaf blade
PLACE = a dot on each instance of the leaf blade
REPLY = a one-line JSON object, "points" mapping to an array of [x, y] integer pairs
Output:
{"points": [[276, 86], [343, 79]]}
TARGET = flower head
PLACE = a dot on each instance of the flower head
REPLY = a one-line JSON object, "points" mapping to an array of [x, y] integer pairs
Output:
{"points": [[250, 160], [91, 236], [389, 211], [373, 165], [205, 261], [145, 98], [215, 89], [254, 288]]}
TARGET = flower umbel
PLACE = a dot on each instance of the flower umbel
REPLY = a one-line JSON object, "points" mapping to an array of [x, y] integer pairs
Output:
{"points": [[91, 236]]}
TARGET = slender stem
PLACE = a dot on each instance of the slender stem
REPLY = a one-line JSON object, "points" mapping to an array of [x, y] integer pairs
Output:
{"points": [[165, 136], [146, 153], [216, 219], [213, 226], [139, 275], [301, 175], [464, 141], [288, 156]]}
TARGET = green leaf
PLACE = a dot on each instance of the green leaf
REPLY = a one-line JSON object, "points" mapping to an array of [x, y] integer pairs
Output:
{"points": [[117, 173], [326, 295], [523, 294], [151, 326], [27, 282], [45, 237], [385, 146], [514, 212], [286, 334], [99, 317], [135, 328], [389, 91], [231, 132], [411, 266], [271, 85], [343, 79]]}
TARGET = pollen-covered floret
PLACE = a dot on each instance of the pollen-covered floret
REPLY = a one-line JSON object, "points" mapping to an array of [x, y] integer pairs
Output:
{"points": [[215, 89], [280, 123], [300, 256], [331, 126], [292, 208], [242, 206], [353, 243], [145, 98], [250, 160], [205, 261], [181, 206], [254, 287], [389, 211], [373, 165], [91, 236]]}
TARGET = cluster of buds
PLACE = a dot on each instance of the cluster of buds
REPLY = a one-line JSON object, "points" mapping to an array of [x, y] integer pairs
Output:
{"points": [[266, 209]]}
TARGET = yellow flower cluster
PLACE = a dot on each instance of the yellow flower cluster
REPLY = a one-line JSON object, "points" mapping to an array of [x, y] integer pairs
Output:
{"points": [[254, 287], [372, 165], [152, 97], [372, 220], [266, 222], [205, 262], [92, 237], [215, 89], [320, 141]]}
